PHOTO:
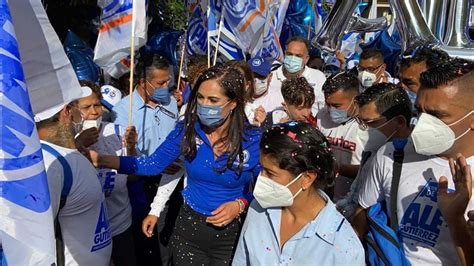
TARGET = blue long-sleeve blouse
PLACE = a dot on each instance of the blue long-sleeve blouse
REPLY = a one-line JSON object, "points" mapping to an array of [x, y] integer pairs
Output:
{"points": [[207, 187]]}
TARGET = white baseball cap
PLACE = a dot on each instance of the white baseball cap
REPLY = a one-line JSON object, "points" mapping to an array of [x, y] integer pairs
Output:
{"points": [[110, 96], [46, 114]]}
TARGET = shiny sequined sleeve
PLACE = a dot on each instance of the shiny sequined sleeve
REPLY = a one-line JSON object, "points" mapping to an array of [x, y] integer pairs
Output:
{"points": [[154, 164]]}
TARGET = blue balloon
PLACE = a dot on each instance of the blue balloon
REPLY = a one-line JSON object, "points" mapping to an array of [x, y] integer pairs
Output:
{"points": [[165, 44], [81, 57], [389, 46]]}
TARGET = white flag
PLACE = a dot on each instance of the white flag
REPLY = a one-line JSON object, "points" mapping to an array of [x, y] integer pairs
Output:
{"points": [[113, 42], [49, 75]]}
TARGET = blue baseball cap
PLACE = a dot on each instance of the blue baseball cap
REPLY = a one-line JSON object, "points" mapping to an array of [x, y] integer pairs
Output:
{"points": [[260, 66]]}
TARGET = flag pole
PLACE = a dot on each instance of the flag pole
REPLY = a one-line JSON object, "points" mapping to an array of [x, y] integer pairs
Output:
{"points": [[309, 31], [218, 38], [132, 62], [181, 63], [208, 35]]}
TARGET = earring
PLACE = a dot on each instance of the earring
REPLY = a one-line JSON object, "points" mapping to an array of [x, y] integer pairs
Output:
{"points": [[302, 188]]}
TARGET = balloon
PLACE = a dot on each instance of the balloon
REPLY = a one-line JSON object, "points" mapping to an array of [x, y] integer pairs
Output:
{"points": [[466, 53], [81, 57], [330, 36], [389, 46], [361, 25], [458, 23], [164, 43], [435, 15], [412, 25]]}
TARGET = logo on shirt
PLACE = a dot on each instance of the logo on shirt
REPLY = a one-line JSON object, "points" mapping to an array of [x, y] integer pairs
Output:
{"points": [[108, 181], [342, 143], [422, 220], [246, 158], [102, 237]]}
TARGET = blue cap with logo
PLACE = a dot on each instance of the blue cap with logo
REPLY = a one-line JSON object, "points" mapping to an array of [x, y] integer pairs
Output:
{"points": [[260, 66]]}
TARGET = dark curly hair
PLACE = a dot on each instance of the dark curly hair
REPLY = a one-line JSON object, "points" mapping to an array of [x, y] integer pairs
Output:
{"points": [[298, 92], [446, 73], [231, 81], [430, 55], [299, 147]]}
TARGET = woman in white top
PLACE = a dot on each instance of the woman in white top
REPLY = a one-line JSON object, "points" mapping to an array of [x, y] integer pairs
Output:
{"points": [[108, 138], [292, 221]]}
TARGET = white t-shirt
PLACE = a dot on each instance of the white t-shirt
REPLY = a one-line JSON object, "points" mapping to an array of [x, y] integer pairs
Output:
{"points": [[346, 144], [84, 224], [114, 185], [274, 98], [426, 237]]}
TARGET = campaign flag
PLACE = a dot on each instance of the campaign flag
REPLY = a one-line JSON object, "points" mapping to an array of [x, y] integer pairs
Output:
{"points": [[49, 75], [26, 219], [196, 35], [269, 46], [229, 45], [247, 19], [318, 15], [115, 30]]}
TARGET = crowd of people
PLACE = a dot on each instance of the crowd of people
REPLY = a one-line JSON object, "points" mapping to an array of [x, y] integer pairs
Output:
{"points": [[257, 163]]}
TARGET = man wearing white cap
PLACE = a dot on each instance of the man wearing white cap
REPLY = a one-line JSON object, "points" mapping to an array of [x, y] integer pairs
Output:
{"points": [[81, 222]]}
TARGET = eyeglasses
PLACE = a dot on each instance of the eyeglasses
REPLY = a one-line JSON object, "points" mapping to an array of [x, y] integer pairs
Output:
{"points": [[370, 69], [368, 123], [164, 111]]}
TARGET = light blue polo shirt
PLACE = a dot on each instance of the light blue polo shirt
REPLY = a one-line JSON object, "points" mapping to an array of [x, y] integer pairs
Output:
{"points": [[153, 124]]}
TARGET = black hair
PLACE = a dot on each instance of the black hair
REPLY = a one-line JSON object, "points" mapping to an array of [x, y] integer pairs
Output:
{"points": [[231, 81], [389, 99], [248, 75], [298, 147], [150, 63], [345, 81], [298, 92], [430, 55], [298, 39], [445, 73], [371, 53], [94, 87]]}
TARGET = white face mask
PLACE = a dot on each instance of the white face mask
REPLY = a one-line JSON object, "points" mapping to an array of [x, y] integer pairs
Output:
{"points": [[374, 138], [86, 124], [367, 79], [431, 136], [261, 86], [270, 194]]}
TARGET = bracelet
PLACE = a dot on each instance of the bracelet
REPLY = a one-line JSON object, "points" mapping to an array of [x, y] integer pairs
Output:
{"points": [[241, 205]]}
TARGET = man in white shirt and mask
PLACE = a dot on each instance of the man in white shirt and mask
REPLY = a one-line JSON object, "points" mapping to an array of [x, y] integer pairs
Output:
{"points": [[82, 213], [336, 122], [294, 66], [372, 69], [384, 115], [445, 129]]}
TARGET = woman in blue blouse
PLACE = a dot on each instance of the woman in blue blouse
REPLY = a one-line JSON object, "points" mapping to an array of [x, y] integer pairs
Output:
{"points": [[221, 159], [292, 221]]}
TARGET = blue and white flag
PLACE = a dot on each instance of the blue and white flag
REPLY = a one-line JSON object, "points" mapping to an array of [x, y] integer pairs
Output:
{"points": [[269, 46], [318, 15], [229, 45], [115, 31], [247, 19], [26, 220], [205, 18]]}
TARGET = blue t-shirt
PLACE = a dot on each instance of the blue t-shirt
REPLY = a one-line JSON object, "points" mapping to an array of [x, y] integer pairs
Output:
{"points": [[209, 185]]}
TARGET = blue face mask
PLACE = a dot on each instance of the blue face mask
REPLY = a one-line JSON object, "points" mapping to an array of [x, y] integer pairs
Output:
{"points": [[338, 116], [210, 115], [292, 63], [411, 96], [161, 96]]}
